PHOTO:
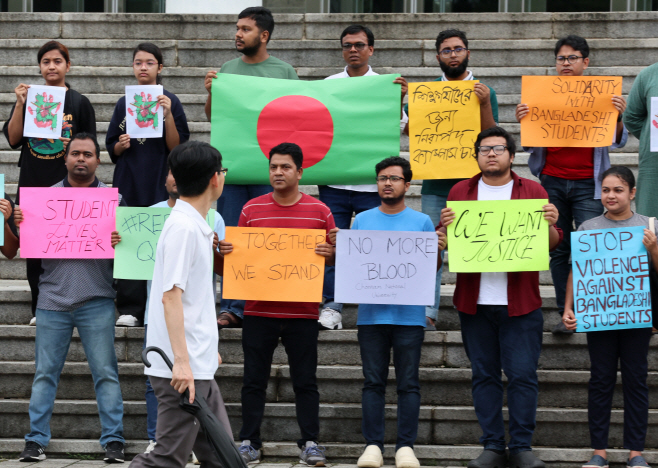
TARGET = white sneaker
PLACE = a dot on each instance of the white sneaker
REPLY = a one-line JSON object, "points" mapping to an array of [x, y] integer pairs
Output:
{"points": [[33, 321], [195, 460], [372, 458], [151, 446], [330, 319], [405, 458], [127, 321]]}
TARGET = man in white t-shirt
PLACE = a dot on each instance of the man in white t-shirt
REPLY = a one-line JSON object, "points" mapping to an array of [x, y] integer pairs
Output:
{"points": [[182, 320], [344, 201], [500, 315]]}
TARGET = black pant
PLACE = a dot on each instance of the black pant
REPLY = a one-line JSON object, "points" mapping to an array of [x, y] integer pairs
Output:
{"points": [[34, 270], [606, 348], [131, 298], [260, 337]]}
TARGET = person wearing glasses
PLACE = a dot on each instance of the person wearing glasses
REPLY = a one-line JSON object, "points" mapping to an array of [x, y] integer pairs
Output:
{"points": [[572, 176], [294, 323], [253, 32], [453, 56], [358, 44], [382, 328], [141, 164], [500, 314]]}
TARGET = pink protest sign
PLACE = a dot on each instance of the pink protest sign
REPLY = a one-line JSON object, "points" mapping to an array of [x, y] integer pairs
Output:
{"points": [[67, 222]]}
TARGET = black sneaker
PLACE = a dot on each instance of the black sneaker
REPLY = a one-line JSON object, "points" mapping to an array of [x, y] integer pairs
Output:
{"points": [[33, 452], [114, 452]]}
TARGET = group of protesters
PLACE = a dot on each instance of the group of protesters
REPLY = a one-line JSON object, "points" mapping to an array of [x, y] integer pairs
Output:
{"points": [[500, 313]]}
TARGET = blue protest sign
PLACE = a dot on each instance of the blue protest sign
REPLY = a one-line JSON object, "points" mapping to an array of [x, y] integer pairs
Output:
{"points": [[610, 270]]}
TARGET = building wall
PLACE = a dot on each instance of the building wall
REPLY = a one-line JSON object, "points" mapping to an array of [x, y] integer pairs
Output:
{"points": [[210, 6]]}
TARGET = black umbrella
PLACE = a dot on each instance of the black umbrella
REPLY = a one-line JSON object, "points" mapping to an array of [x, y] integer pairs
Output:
{"points": [[221, 442]]}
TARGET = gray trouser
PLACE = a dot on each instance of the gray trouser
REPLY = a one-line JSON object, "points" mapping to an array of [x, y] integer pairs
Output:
{"points": [[177, 432]]}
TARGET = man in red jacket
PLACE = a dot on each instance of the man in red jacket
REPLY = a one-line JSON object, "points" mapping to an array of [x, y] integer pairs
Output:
{"points": [[500, 315]]}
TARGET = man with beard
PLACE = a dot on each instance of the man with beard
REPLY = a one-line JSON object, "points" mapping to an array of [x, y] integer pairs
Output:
{"points": [[500, 315], [254, 31], [453, 55], [396, 327], [572, 176]]}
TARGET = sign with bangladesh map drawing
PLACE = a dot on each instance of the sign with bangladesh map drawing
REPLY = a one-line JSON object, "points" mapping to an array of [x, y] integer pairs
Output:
{"points": [[344, 127]]}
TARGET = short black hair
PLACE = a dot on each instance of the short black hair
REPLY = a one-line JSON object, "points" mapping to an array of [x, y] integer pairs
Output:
{"points": [[263, 18], [575, 42], [496, 132], [356, 29], [84, 136], [53, 45], [193, 164], [155, 51], [292, 150], [623, 173], [396, 161], [447, 34]]}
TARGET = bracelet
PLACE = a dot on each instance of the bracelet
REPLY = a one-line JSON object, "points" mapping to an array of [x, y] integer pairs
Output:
{"points": [[619, 117]]}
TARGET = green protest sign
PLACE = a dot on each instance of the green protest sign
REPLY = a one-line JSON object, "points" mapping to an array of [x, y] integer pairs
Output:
{"points": [[140, 229], [498, 236], [344, 126]]}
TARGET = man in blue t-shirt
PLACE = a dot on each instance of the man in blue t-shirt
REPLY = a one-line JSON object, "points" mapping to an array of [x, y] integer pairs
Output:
{"points": [[386, 327]]}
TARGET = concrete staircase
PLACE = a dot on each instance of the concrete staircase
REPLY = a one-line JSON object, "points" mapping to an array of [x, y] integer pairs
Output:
{"points": [[503, 48]]}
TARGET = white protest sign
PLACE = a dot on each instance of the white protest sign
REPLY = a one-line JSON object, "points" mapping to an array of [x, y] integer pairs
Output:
{"points": [[144, 117], [654, 124], [44, 112], [386, 267]]}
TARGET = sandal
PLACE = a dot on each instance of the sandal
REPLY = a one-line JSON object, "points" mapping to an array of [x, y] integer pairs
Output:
{"points": [[228, 320]]}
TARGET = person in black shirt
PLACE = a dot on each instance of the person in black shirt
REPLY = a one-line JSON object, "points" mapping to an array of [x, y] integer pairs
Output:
{"points": [[42, 160]]}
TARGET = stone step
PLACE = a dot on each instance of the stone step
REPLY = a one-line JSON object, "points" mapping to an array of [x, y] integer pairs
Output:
{"points": [[335, 348], [454, 425], [15, 306], [450, 456], [202, 53], [441, 386], [186, 80]]}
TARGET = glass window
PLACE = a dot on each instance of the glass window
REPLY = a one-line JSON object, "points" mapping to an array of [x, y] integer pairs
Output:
{"points": [[460, 6]]}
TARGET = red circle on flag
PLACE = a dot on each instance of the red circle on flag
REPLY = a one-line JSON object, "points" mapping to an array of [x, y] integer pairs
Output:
{"points": [[302, 120]]}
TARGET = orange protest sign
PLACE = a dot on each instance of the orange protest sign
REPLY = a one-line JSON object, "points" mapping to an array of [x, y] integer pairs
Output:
{"points": [[569, 111], [444, 121], [270, 264]]}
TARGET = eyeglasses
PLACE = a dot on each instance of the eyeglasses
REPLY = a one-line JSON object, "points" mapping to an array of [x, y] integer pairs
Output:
{"points": [[570, 58], [392, 178], [149, 64], [223, 171], [358, 46], [498, 149], [459, 51]]}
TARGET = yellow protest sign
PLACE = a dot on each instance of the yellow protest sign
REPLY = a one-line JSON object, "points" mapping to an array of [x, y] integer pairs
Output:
{"points": [[569, 111], [269, 264], [444, 121], [498, 236]]}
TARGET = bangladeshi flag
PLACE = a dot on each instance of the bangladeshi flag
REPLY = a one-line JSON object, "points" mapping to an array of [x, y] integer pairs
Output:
{"points": [[344, 126]]}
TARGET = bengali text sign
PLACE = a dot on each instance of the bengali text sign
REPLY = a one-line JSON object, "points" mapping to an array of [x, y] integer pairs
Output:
{"points": [[498, 236], [386, 267], [569, 111], [67, 222], [610, 269], [444, 121], [269, 264], [140, 229]]}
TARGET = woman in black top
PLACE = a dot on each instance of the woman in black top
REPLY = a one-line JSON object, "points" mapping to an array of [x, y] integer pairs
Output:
{"points": [[42, 160]]}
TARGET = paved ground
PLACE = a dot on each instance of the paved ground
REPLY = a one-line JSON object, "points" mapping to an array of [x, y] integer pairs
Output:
{"points": [[60, 463]]}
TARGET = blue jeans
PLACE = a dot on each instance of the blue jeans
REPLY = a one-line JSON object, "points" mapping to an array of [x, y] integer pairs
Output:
{"points": [[574, 200], [151, 403], [95, 324], [230, 205], [432, 205], [342, 204], [376, 342], [493, 340]]}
